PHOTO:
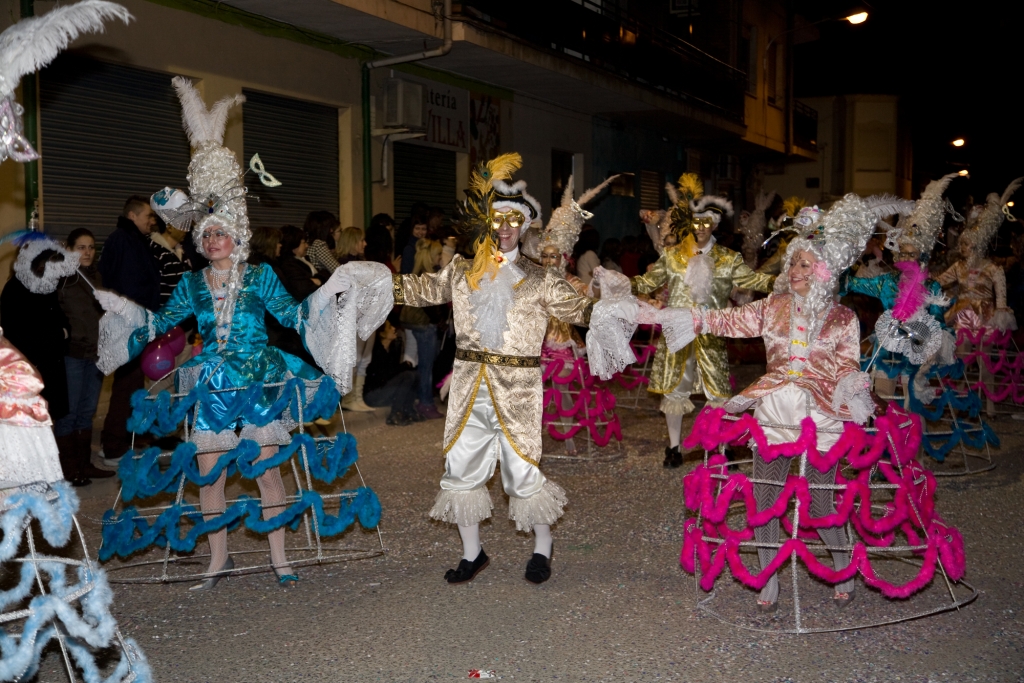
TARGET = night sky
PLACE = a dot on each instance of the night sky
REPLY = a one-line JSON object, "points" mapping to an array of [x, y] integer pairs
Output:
{"points": [[957, 68]]}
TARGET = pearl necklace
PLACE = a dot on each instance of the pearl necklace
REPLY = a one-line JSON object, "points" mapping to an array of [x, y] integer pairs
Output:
{"points": [[223, 286]]}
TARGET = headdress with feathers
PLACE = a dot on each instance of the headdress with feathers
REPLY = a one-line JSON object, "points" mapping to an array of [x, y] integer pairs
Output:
{"points": [[837, 238], [791, 207], [983, 228], [711, 206], [32, 243], [473, 215], [31, 44], [752, 225], [688, 189], [920, 228], [566, 221]]}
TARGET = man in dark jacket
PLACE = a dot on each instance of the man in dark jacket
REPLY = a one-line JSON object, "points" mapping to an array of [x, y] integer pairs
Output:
{"points": [[128, 268]]}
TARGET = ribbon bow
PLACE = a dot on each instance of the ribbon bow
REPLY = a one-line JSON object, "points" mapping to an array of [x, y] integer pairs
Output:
{"points": [[13, 143], [256, 166]]}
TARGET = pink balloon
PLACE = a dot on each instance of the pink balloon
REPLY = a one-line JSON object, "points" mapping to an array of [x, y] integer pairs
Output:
{"points": [[158, 358], [176, 339]]}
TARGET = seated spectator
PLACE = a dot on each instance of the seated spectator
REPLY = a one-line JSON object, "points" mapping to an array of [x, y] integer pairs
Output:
{"points": [[584, 254], [84, 380], [322, 230], [611, 251], [389, 382], [351, 245], [298, 275]]}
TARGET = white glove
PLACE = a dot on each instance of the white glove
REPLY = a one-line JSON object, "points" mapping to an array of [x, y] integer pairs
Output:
{"points": [[340, 282], [109, 300], [612, 285]]}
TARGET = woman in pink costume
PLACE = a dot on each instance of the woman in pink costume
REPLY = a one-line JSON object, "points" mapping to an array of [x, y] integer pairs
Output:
{"points": [[813, 348]]}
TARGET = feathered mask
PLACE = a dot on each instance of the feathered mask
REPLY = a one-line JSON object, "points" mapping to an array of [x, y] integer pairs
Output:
{"points": [[563, 228], [473, 216], [31, 44]]}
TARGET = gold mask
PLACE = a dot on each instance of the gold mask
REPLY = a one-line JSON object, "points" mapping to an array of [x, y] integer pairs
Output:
{"points": [[514, 218]]}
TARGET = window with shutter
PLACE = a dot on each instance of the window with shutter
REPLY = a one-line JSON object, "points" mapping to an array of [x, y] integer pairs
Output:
{"points": [[106, 132], [298, 144], [423, 174]]}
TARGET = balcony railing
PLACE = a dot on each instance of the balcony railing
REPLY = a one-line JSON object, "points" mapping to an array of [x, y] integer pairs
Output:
{"points": [[805, 126], [623, 45]]}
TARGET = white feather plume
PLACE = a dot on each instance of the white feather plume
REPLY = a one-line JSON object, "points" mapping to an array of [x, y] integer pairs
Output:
{"points": [[203, 125], [1010, 189], [33, 42], [673, 193], [594, 191], [887, 205]]}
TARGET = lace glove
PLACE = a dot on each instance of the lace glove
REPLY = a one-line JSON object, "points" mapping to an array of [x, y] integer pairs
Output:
{"points": [[110, 301], [678, 327], [610, 285], [340, 282], [1002, 320], [854, 391]]}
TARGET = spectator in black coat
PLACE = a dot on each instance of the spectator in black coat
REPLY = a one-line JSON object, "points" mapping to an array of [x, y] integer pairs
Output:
{"points": [[127, 266], [298, 275]]}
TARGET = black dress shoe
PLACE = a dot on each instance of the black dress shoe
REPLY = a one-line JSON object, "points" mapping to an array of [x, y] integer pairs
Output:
{"points": [[78, 482], [538, 569], [673, 458], [467, 571]]}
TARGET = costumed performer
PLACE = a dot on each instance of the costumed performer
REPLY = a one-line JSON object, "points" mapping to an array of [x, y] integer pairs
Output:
{"points": [[229, 299], [751, 225], [779, 225], [912, 300], [501, 304], [981, 284], [813, 348], [556, 241], [31, 486], [698, 272]]}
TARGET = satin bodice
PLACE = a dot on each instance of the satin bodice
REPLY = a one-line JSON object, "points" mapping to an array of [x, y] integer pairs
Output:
{"points": [[20, 386]]}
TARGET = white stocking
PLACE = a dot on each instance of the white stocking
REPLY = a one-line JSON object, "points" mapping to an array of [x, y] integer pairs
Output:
{"points": [[470, 541], [675, 429], [542, 539], [211, 500], [272, 497]]}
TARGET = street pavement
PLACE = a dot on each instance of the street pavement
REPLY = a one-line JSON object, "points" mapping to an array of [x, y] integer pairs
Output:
{"points": [[617, 608]]}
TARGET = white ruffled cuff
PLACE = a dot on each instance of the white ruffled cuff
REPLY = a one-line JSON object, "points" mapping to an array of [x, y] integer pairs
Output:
{"points": [[115, 331], [1002, 320], [677, 326], [332, 323], [854, 391], [612, 324]]}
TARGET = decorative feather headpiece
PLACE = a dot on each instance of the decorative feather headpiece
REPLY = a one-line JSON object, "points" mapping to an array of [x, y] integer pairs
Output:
{"points": [[689, 188], [752, 225], [921, 227], [32, 243], [711, 206], [473, 215], [31, 44], [791, 207], [837, 238], [567, 220], [983, 228]]}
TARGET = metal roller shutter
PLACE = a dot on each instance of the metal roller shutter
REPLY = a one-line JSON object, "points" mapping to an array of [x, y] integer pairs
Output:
{"points": [[298, 143], [106, 132], [423, 174]]}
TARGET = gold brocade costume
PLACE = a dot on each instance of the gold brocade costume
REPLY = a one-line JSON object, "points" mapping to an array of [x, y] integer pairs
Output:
{"points": [[516, 390], [712, 362], [561, 335], [981, 289]]}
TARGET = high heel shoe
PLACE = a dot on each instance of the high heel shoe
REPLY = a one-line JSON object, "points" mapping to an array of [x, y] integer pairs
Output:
{"points": [[211, 583], [288, 581]]}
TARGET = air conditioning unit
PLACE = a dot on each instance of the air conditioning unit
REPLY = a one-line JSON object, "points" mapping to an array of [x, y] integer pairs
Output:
{"points": [[404, 105]]}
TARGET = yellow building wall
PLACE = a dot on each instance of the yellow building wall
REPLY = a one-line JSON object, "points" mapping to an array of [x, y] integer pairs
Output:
{"points": [[766, 123]]}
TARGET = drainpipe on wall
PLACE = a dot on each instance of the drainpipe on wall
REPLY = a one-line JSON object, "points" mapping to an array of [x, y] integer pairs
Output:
{"points": [[29, 96], [445, 48]]}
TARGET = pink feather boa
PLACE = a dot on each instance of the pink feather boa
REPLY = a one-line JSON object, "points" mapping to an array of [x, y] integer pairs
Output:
{"points": [[893, 448], [912, 293]]}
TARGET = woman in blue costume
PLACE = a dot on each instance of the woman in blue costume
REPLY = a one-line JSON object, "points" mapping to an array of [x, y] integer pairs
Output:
{"points": [[228, 298], [912, 301]]}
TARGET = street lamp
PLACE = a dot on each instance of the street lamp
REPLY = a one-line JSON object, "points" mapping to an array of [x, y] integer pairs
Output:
{"points": [[963, 172], [959, 142], [858, 18]]}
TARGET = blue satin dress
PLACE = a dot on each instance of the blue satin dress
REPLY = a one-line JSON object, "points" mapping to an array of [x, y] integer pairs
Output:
{"points": [[245, 357]]}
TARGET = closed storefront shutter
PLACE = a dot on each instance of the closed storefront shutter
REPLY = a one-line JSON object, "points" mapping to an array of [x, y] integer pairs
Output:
{"points": [[298, 143], [106, 132], [423, 174]]}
